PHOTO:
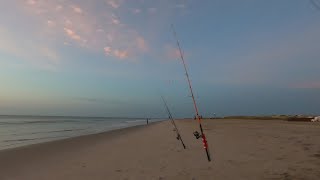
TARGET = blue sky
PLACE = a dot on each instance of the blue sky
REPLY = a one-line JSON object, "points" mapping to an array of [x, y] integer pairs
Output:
{"points": [[116, 57]]}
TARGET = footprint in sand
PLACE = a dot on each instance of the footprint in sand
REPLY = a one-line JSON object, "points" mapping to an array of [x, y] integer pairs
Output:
{"points": [[317, 155], [286, 176], [280, 158]]}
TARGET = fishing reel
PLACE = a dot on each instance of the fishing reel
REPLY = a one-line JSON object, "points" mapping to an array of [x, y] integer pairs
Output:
{"points": [[178, 137], [197, 135]]}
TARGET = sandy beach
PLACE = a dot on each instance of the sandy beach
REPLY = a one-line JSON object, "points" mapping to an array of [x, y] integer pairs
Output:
{"points": [[241, 149]]}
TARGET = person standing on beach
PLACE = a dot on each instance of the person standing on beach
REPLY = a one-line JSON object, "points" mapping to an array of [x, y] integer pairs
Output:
{"points": [[147, 120]]}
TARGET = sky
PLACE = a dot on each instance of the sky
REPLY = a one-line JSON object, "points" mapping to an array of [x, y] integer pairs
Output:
{"points": [[117, 57]]}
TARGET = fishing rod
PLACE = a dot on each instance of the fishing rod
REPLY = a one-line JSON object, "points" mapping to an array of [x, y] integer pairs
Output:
{"points": [[173, 123], [196, 133]]}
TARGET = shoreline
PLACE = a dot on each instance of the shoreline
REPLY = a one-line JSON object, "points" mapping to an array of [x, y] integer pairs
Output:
{"points": [[244, 149], [113, 131], [48, 131]]}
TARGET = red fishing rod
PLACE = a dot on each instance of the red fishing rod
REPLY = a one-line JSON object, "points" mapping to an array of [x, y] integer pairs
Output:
{"points": [[196, 134], [173, 123]]}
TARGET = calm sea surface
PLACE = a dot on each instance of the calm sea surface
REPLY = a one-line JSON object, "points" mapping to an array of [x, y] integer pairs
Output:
{"points": [[24, 130]]}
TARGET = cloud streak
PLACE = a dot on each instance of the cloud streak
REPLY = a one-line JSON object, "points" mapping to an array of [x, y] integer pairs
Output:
{"points": [[121, 54], [72, 34], [114, 3], [77, 9], [93, 27], [92, 30]]}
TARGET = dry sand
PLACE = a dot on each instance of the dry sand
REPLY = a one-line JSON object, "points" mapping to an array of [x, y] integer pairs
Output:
{"points": [[241, 149]]}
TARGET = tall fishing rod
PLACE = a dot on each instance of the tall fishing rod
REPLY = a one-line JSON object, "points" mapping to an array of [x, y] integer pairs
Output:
{"points": [[196, 134], [173, 123]]}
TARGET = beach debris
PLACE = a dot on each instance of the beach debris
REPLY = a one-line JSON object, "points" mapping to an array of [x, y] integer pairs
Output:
{"points": [[198, 117], [316, 119], [175, 128]]}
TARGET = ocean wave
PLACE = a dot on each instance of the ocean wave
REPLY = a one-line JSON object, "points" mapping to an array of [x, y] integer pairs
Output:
{"points": [[37, 122], [47, 132], [135, 121], [32, 139]]}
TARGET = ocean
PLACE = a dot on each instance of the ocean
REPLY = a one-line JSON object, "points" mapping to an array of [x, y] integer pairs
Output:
{"points": [[18, 131]]}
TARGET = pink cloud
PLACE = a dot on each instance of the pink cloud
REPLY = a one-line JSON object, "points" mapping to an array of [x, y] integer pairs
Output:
{"points": [[67, 22], [115, 19], [100, 30], [113, 3], [58, 7], [72, 34], [92, 30], [77, 9], [121, 54], [173, 53], [51, 23], [31, 2], [142, 44], [107, 50], [170, 53]]}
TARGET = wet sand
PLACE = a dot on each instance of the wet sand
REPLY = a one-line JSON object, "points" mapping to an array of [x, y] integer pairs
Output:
{"points": [[241, 149]]}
